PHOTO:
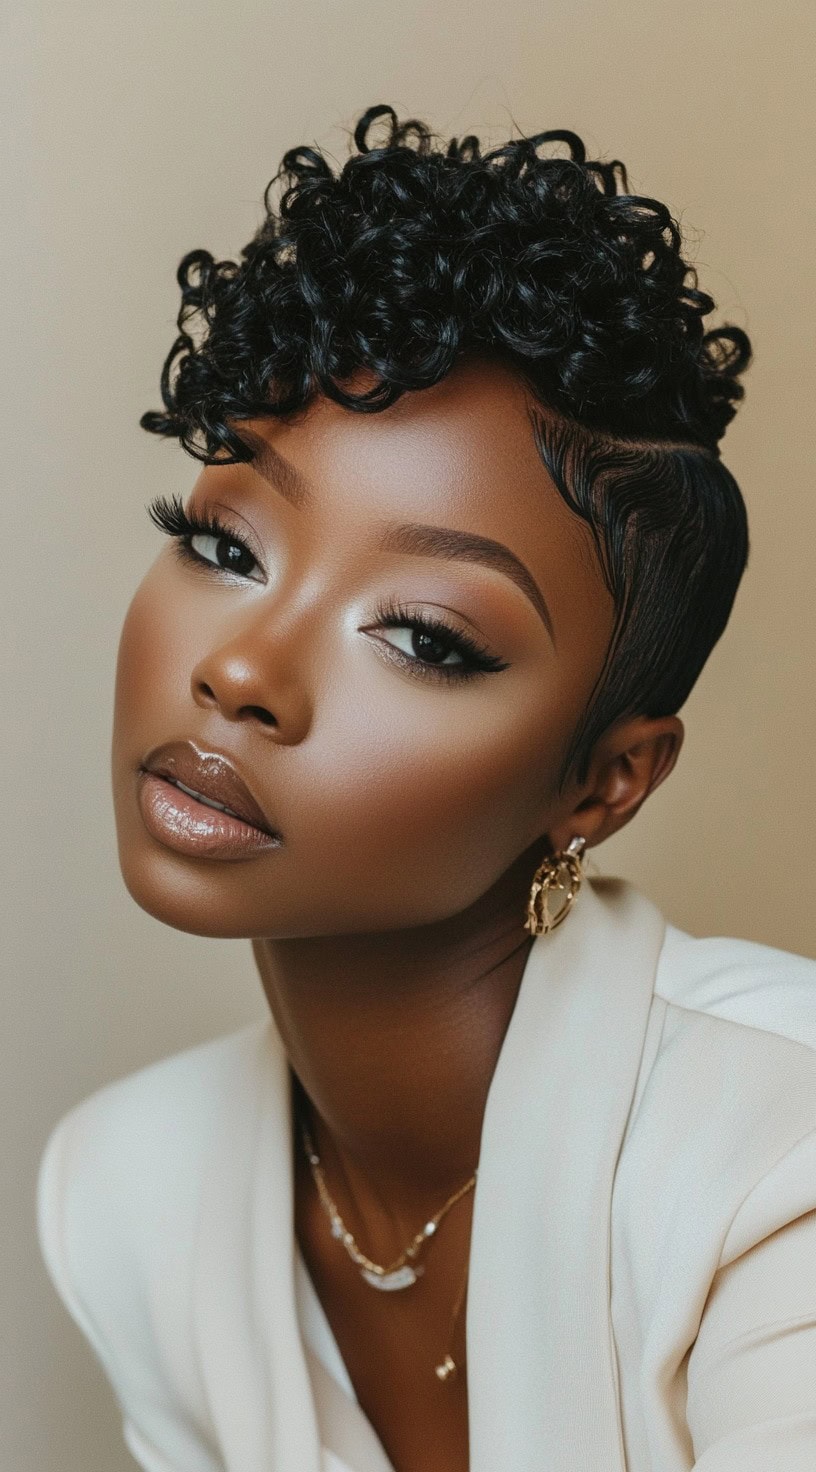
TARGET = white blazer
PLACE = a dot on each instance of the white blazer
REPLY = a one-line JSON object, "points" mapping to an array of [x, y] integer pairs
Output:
{"points": [[642, 1293]]}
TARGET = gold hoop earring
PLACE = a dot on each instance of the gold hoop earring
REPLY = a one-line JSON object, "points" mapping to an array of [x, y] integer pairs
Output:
{"points": [[561, 871]]}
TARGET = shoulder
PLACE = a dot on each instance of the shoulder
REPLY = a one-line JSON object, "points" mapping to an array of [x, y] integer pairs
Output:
{"points": [[146, 1128], [741, 982], [725, 1120], [738, 1037], [719, 1151], [118, 1185]]}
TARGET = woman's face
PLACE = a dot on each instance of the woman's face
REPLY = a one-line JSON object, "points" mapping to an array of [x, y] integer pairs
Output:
{"points": [[401, 780]]}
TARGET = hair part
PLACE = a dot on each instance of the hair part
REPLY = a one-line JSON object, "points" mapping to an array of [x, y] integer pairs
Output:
{"points": [[413, 256]]}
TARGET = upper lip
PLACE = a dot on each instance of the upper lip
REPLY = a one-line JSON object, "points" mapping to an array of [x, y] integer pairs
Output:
{"points": [[208, 774]]}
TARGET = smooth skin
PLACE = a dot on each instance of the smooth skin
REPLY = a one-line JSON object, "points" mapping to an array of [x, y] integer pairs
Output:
{"points": [[414, 808]]}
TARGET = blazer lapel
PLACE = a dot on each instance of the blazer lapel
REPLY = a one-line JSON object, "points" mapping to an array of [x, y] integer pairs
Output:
{"points": [[542, 1375], [251, 1356]]}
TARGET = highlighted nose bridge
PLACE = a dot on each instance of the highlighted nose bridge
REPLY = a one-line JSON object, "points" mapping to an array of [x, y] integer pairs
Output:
{"points": [[260, 666]]}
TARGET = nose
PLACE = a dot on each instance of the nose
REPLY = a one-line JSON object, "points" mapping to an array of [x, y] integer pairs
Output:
{"points": [[244, 682]]}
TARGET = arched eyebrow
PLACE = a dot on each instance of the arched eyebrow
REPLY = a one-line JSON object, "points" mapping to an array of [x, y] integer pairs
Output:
{"points": [[442, 541], [416, 538], [281, 474]]}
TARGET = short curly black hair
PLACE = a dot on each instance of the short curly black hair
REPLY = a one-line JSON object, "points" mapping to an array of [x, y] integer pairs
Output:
{"points": [[412, 256]]}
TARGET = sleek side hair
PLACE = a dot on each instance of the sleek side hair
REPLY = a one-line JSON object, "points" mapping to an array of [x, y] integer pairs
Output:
{"points": [[670, 528], [412, 256]]}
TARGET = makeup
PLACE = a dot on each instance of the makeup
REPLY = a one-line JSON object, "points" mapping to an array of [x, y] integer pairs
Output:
{"points": [[183, 823], [196, 803]]}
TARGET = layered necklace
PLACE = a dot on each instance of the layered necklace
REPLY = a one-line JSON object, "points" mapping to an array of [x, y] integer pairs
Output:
{"points": [[405, 1269]]}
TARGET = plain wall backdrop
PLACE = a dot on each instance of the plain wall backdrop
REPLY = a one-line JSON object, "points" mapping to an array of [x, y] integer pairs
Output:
{"points": [[139, 131]]}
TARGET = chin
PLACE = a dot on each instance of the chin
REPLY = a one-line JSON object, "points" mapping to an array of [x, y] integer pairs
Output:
{"points": [[173, 893], [187, 894], [200, 896]]}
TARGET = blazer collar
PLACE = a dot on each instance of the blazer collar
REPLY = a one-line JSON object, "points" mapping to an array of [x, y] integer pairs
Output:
{"points": [[542, 1374]]}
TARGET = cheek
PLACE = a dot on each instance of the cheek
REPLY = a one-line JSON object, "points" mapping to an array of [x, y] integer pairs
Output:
{"points": [[429, 797], [157, 650], [152, 701], [137, 667]]}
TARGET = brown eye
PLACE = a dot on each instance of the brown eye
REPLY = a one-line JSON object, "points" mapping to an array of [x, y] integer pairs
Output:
{"points": [[202, 539], [224, 551], [431, 648], [422, 644]]}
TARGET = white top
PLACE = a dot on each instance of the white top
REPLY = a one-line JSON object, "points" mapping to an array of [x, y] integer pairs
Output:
{"points": [[642, 1288]]}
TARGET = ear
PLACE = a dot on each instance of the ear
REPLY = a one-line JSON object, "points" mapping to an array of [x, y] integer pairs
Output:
{"points": [[628, 762]]}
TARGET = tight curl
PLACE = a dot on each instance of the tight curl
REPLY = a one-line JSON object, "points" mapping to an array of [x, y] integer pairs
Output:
{"points": [[412, 256]]}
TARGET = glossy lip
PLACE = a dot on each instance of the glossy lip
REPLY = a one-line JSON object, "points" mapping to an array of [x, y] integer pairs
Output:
{"points": [[211, 775], [188, 825]]}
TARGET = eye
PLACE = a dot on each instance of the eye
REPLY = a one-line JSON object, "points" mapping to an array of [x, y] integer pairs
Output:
{"points": [[430, 647], [224, 551], [423, 645], [204, 539]]}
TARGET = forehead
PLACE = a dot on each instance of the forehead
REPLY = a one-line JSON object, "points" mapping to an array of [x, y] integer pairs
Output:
{"points": [[465, 442]]}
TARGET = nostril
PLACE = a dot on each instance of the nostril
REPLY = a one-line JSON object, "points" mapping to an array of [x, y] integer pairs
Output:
{"points": [[261, 714]]}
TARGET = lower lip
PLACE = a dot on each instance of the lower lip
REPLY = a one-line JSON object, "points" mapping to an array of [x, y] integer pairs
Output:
{"points": [[182, 823]]}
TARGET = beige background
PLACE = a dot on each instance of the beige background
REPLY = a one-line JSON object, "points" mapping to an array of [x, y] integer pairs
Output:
{"points": [[141, 130]]}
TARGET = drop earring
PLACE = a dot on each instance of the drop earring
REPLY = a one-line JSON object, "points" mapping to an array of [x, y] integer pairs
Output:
{"points": [[561, 872]]}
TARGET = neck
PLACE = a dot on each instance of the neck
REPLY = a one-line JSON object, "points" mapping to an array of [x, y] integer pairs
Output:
{"points": [[393, 1037]]}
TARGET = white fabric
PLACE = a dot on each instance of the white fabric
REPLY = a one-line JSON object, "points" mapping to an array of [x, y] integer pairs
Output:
{"points": [[642, 1292]]}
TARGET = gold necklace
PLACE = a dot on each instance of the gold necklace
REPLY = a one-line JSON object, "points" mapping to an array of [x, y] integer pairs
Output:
{"points": [[398, 1274], [449, 1368], [401, 1273]]}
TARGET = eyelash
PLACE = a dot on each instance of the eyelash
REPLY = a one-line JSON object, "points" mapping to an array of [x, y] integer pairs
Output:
{"points": [[169, 515], [476, 661]]}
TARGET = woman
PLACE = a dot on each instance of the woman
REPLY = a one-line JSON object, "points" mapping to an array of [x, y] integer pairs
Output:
{"points": [[516, 1174]]}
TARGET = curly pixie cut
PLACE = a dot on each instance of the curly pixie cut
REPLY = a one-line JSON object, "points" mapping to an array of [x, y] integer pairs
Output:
{"points": [[413, 255]]}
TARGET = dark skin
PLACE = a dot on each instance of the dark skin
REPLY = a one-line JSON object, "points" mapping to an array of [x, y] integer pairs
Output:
{"points": [[414, 808]]}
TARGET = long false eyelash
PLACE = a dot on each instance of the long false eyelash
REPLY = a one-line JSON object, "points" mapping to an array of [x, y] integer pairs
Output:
{"points": [[169, 515], [391, 614]]}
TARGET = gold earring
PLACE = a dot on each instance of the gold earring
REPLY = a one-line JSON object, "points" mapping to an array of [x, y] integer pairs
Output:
{"points": [[561, 871]]}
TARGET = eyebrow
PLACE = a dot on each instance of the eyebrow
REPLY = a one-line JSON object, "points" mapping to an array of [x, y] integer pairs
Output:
{"points": [[416, 538], [281, 474], [441, 541]]}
